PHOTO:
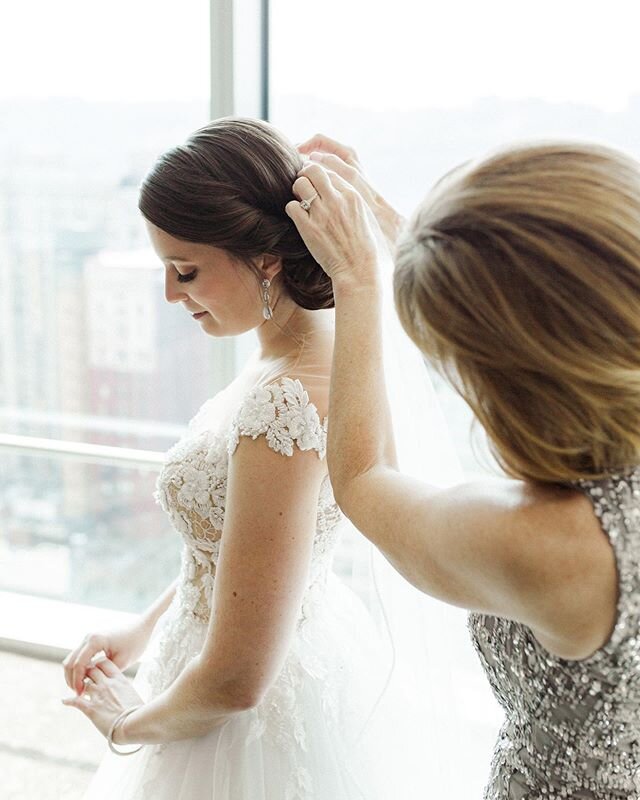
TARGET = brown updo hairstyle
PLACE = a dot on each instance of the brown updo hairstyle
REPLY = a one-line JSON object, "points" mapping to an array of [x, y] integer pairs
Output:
{"points": [[519, 278], [227, 186]]}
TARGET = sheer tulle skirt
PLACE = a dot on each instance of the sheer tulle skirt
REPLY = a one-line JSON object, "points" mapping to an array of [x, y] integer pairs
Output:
{"points": [[313, 736]]}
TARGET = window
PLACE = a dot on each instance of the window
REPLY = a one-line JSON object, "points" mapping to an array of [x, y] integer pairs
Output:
{"points": [[90, 351]]}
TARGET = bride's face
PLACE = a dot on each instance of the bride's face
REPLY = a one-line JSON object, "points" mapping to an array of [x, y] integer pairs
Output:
{"points": [[220, 293]]}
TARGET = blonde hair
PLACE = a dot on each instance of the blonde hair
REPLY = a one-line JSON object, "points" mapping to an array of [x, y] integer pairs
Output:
{"points": [[519, 278]]}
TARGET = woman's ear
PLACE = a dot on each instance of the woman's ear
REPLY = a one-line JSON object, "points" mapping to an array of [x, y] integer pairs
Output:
{"points": [[269, 265]]}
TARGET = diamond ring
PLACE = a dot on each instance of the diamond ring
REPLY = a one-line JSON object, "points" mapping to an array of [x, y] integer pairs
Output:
{"points": [[306, 204]]}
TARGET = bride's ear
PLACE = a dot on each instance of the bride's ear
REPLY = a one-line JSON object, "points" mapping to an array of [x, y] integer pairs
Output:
{"points": [[269, 265]]}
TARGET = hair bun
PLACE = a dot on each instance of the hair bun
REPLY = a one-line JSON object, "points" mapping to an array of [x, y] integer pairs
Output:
{"points": [[227, 186]]}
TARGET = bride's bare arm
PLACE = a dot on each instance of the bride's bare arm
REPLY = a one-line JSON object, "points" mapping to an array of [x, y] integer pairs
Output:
{"points": [[270, 518]]}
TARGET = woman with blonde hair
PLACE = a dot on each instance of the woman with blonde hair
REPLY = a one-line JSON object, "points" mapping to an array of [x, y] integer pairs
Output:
{"points": [[519, 279]]}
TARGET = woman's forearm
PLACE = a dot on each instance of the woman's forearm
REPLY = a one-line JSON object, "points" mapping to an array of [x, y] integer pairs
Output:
{"points": [[360, 433], [192, 706]]}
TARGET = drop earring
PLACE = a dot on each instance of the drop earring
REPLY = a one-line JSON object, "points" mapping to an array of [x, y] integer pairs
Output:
{"points": [[267, 313]]}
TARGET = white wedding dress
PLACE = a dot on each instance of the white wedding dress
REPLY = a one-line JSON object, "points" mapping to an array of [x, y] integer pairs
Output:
{"points": [[303, 742]]}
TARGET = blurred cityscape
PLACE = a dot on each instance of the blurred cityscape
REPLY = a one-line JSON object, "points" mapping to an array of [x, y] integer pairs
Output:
{"points": [[90, 351]]}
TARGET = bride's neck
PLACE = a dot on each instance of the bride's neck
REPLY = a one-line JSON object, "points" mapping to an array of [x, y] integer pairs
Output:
{"points": [[288, 329]]}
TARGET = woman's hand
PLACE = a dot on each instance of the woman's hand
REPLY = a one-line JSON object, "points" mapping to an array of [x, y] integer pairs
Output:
{"points": [[344, 161], [107, 693], [123, 646], [338, 227]]}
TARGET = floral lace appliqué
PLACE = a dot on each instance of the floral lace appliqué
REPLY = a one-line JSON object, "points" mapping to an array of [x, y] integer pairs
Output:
{"points": [[283, 413]]}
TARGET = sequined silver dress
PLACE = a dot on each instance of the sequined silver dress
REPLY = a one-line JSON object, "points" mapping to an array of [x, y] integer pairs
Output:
{"points": [[572, 728]]}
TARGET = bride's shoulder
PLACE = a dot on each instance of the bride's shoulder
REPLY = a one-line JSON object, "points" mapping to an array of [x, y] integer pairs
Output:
{"points": [[288, 409]]}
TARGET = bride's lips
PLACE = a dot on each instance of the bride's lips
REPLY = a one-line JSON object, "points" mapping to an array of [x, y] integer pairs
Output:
{"points": [[199, 314]]}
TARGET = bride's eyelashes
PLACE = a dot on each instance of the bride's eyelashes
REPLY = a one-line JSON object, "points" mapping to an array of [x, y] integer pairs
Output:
{"points": [[189, 276]]}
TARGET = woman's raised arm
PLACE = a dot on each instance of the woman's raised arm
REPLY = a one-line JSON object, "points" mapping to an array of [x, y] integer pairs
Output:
{"points": [[492, 547]]}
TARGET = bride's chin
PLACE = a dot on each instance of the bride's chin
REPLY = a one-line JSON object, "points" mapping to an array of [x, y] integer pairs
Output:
{"points": [[209, 324], [213, 327]]}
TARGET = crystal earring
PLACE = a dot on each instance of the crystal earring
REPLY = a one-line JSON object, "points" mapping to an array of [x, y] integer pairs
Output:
{"points": [[267, 313]]}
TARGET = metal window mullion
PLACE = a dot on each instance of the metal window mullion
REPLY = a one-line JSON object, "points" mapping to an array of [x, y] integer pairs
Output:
{"points": [[222, 97], [264, 59], [82, 451]]}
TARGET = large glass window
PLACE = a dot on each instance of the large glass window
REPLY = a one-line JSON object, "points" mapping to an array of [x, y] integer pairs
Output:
{"points": [[89, 349], [87, 533], [418, 88]]}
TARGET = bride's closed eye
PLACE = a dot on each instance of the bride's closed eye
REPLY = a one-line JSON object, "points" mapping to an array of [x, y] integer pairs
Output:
{"points": [[189, 276]]}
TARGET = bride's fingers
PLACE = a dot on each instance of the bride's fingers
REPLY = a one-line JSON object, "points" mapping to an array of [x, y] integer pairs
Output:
{"points": [[74, 670], [76, 663], [81, 703], [107, 667], [96, 675]]}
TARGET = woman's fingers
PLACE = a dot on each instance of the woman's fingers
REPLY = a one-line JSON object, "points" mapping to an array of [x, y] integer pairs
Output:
{"points": [[325, 144], [303, 189], [339, 166], [339, 183], [300, 217], [336, 226], [315, 184], [318, 178]]}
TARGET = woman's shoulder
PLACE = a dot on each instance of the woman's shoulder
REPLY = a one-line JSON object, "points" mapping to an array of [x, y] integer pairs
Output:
{"points": [[566, 568]]}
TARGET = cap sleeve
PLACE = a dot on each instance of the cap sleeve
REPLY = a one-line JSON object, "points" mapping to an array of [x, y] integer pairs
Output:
{"points": [[282, 412]]}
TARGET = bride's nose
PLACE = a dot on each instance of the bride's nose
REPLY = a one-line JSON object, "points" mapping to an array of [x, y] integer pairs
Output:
{"points": [[173, 291]]}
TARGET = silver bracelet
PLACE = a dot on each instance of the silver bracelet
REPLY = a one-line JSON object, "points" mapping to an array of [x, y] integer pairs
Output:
{"points": [[114, 725]]}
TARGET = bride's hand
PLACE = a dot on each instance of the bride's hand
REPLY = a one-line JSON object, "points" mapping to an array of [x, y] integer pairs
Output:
{"points": [[344, 161], [108, 692], [122, 645], [338, 227]]}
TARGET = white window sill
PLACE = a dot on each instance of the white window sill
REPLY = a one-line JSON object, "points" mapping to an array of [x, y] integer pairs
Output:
{"points": [[48, 629]]}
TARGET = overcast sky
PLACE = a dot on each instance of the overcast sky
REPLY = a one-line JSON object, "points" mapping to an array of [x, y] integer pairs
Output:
{"points": [[373, 54]]}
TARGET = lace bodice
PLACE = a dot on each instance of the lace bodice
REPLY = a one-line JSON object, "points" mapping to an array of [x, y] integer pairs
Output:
{"points": [[572, 728], [192, 485]]}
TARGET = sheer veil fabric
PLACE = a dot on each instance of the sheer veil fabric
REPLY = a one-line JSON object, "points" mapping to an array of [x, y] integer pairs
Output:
{"points": [[433, 672]]}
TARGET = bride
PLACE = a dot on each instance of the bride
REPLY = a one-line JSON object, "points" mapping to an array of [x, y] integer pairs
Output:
{"points": [[259, 667]]}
